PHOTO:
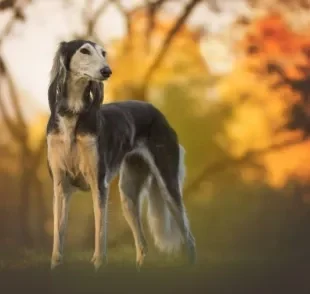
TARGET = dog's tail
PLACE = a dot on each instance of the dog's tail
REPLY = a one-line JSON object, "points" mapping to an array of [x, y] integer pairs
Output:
{"points": [[162, 223]]}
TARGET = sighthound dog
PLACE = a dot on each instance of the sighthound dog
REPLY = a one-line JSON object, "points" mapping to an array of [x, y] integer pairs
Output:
{"points": [[89, 143]]}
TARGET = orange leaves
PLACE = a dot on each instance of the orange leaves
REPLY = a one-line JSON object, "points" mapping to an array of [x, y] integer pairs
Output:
{"points": [[271, 39], [269, 34], [261, 105], [290, 162]]}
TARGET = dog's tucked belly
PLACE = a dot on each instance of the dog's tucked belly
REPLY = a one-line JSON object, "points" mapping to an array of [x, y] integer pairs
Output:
{"points": [[74, 158]]}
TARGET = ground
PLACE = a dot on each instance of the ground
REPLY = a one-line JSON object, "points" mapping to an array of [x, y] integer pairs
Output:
{"points": [[29, 271]]}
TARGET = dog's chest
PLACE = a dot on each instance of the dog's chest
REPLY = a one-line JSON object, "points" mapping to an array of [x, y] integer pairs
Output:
{"points": [[72, 152]]}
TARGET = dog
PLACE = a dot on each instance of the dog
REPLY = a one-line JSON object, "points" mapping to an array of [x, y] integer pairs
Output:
{"points": [[89, 143]]}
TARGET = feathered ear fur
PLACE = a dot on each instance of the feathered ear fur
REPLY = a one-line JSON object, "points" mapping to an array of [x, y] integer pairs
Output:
{"points": [[57, 75], [96, 88]]}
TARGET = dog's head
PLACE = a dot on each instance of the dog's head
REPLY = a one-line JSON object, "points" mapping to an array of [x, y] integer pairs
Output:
{"points": [[83, 58]]}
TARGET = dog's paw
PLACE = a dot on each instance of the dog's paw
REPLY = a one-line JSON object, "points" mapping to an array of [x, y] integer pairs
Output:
{"points": [[98, 261], [56, 260], [140, 257]]}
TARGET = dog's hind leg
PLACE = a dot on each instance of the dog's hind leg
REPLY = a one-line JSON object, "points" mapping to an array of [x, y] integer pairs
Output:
{"points": [[133, 178]]}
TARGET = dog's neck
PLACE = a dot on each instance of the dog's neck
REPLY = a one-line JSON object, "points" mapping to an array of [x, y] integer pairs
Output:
{"points": [[76, 102], [71, 105], [76, 86], [73, 100]]}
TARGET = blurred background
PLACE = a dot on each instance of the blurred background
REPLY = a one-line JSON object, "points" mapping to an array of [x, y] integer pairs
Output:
{"points": [[233, 79]]}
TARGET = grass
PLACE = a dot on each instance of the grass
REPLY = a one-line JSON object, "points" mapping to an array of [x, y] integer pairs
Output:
{"points": [[29, 271], [232, 258]]}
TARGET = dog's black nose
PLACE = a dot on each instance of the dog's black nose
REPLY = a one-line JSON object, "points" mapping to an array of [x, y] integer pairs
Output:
{"points": [[106, 71]]}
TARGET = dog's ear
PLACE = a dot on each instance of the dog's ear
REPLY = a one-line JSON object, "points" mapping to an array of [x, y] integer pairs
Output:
{"points": [[96, 89], [60, 62], [58, 75]]}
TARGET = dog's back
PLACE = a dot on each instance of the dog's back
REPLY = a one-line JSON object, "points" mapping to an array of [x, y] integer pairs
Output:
{"points": [[129, 126]]}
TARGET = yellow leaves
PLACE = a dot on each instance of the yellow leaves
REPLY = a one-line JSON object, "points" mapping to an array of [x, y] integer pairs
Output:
{"points": [[134, 57], [258, 113], [248, 129]]}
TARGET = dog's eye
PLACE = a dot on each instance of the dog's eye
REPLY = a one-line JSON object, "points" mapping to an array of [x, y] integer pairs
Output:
{"points": [[85, 51], [104, 53]]}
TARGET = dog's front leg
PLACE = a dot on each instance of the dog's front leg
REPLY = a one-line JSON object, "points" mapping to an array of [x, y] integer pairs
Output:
{"points": [[100, 203], [60, 211], [90, 166]]}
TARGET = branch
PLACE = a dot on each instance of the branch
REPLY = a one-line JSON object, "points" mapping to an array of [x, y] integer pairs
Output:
{"points": [[152, 9], [99, 11], [5, 4], [169, 38], [11, 125], [91, 20], [127, 16], [125, 13], [13, 95], [17, 15], [227, 163], [213, 5], [7, 29]]}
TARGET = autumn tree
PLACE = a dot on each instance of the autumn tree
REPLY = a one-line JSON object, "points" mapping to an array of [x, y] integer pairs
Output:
{"points": [[271, 108]]}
